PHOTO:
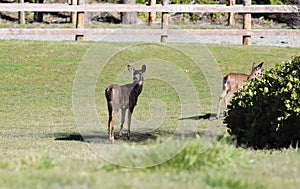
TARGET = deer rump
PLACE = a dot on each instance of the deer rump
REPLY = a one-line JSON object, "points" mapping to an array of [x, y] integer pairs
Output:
{"points": [[233, 83]]}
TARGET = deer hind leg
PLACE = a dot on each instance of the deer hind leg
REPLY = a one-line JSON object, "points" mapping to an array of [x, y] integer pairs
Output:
{"points": [[123, 111], [223, 95], [112, 129], [111, 120]]}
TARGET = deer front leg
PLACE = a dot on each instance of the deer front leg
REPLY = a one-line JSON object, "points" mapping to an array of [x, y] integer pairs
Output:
{"points": [[123, 111], [219, 107], [223, 95], [129, 122]]}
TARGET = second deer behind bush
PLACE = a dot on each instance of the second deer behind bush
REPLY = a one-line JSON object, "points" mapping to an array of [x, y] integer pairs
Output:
{"points": [[232, 82]]}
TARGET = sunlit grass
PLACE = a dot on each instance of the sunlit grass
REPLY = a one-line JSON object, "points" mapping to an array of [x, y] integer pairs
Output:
{"points": [[41, 145]]}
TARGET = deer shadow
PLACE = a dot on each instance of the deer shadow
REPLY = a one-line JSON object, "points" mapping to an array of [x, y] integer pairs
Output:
{"points": [[138, 137], [69, 137], [103, 136], [208, 116]]}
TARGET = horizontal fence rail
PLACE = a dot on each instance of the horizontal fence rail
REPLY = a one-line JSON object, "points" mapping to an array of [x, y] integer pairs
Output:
{"points": [[145, 8], [247, 9], [148, 32]]}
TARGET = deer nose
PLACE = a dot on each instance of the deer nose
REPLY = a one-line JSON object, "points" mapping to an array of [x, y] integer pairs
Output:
{"points": [[136, 78]]}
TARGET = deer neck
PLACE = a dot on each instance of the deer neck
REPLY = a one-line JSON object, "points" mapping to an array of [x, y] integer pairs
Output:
{"points": [[251, 75], [137, 87], [140, 83]]}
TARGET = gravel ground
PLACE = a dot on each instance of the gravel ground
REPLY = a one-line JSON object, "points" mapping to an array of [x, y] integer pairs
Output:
{"points": [[282, 41]]}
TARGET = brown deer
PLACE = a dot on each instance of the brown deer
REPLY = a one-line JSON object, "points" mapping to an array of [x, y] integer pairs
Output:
{"points": [[232, 82], [123, 97]]}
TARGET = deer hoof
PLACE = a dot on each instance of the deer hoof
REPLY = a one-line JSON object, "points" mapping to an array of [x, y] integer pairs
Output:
{"points": [[120, 135], [225, 113], [128, 136], [111, 140]]}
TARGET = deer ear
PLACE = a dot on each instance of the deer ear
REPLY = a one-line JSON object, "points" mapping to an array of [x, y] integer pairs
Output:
{"points": [[130, 68], [261, 64], [143, 68], [253, 65]]}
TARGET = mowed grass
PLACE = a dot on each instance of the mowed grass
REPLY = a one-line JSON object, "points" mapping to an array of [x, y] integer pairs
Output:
{"points": [[41, 146]]}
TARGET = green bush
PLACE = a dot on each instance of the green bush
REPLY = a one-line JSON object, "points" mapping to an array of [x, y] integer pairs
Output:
{"points": [[266, 111]]}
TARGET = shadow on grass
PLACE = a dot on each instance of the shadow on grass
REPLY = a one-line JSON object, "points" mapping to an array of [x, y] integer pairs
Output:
{"points": [[69, 137], [138, 137], [205, 116], [100, 136]]}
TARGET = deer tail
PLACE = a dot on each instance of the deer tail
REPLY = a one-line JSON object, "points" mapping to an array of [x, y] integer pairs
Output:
{"points": [[108, 93], [225, 84]]}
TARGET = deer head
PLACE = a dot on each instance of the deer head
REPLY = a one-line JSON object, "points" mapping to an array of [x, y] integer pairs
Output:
{"points": [[257, 71], [138, 75]]}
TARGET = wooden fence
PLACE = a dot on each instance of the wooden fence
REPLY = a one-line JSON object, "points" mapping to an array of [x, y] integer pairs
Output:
{"points": [[246, 9]]}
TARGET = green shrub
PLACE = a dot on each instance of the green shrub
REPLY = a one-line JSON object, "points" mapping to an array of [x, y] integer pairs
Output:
{"points": [[266, 111]]}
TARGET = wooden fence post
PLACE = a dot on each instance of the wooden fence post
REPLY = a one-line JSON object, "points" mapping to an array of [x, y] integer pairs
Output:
{"points": [[80, 23], [21, 14], [231, 20], [164, 23], [152, 15], [247, 24], [74, 14]]}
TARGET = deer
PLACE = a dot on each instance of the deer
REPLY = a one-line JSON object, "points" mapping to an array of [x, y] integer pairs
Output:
{"points": [[123, 97], [232, 82]]}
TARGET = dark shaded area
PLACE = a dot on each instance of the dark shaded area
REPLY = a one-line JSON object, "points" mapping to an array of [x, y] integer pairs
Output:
{"points": [[8, 18], [60, 14], [69, 137], [138, 137], [108, 18], [100, 136], [205, 116], [8, 1]]}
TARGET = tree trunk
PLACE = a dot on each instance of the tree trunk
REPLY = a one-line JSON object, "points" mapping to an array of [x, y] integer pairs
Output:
{"points": [[21, 14], [129, 17], [152, 15], [231, 19], [87, 15], [38, 16]]}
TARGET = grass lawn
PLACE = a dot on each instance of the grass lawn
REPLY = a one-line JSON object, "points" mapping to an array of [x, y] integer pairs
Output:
{"points": [[41, 144]]}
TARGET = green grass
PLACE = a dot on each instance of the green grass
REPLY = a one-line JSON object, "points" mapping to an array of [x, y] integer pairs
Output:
{"points": [[41, 145]]}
